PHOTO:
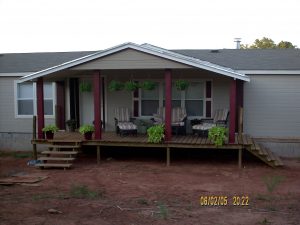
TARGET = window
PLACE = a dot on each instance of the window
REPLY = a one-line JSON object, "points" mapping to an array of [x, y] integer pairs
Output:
{"points": [[194, 99], [176, 96], [26, 99], [48, 99], [149, 101]]}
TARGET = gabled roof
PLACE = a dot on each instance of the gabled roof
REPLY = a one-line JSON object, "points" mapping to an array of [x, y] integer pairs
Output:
{"points": [[145, 48]]}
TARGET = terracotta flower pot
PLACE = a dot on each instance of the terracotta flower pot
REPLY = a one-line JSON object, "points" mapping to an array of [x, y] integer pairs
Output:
{"points": [[49, 135], [88, 135]]}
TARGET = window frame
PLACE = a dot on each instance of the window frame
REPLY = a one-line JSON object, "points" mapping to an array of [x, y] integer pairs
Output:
{"points": [[182, 99], [16, 98]]}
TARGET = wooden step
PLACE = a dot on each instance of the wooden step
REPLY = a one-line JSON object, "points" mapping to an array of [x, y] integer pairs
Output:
{"points": [[57, 165], [55, 159], [60, 152]]}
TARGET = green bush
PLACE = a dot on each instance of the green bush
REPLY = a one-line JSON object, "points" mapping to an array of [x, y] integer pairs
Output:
{"points": [[156, 134], [86, 128], [218, 135], [50, 128]]}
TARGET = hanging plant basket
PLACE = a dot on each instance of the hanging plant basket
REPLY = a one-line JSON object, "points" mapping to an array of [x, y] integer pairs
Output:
{"points": [[181, 85], [131, 85], [85, 87], [115, 85], [148, 85]]}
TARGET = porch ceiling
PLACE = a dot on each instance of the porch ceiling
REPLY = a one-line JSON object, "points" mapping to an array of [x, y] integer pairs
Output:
{"points": [[132, 56]]}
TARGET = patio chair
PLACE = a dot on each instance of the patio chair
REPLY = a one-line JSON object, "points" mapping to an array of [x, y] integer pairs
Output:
{"points": [[178, 121], [123, 123], [219, 119]]}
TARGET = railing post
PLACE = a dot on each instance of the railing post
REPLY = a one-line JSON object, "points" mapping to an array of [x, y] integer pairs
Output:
{"points": [[34, 151]]}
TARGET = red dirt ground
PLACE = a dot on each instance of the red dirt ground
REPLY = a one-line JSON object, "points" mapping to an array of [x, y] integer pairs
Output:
{"points": [[144, 191]]}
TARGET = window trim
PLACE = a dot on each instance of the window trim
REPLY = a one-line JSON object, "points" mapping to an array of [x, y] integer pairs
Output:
{"points": [[34, 101]]}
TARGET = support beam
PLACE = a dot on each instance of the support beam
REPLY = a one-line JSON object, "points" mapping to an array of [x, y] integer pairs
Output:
{"points": [[168, 104], [240, 158], [98, 154], [40, 107], [232, 113], [97, 103], [168, 156], [34, 151]]}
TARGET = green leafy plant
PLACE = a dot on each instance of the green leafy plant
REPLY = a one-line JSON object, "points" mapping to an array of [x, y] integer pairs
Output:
{"points": [[272, 182], [163, 210], [86, 128], [85, 87], [156, 134], [218, 135], [148, 85], [50, 128], [115, 85], [131, 85], [181, 85]]}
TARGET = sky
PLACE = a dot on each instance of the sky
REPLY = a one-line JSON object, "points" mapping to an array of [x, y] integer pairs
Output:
{"points": [[84, 25]]}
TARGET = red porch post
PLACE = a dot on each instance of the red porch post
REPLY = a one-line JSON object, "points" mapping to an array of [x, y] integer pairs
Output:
{"points": [[40, 106], [168, 104], [232, 113], [97, 103]]}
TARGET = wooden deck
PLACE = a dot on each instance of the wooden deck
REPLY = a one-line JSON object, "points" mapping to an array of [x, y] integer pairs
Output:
{"points": [[242, 142], [140, 140]]}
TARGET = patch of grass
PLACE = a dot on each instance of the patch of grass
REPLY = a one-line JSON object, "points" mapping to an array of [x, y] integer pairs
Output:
{"points": [[22, 155], [163, 211], [142, 201], [263, 197], [271, 208], [265, 221], [82, 191], [42, 196], [17, 155], [272, 182]]}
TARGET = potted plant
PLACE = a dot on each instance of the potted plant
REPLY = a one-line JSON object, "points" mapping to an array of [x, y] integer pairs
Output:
{"points": [[115, 85], [218, 135], [156, 133], [50, 130], [85, 87], [148, 85], [87, 131], [71, 125], [131, 85], [181, 85]]}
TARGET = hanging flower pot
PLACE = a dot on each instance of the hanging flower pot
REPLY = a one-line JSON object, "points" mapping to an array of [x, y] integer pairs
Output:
{"points": [[115, 85], [85, 87], [148, 85], [181, 85], [131, 85]]}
